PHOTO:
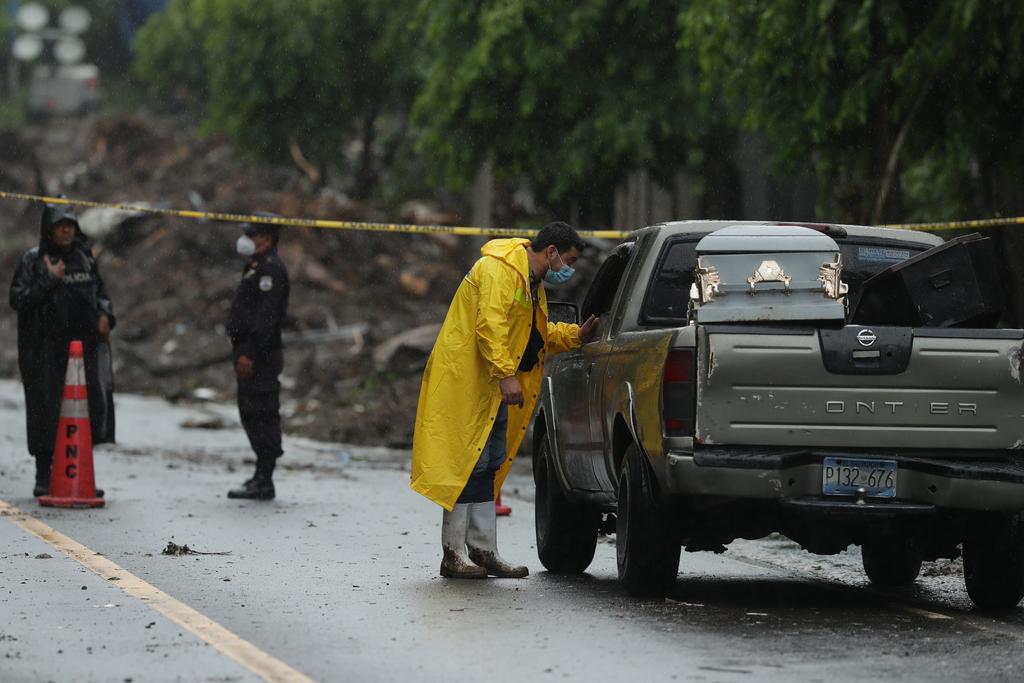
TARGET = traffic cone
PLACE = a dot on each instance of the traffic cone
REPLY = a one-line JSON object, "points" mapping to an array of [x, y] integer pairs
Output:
{"points": [[72, 482], [501, 510]]}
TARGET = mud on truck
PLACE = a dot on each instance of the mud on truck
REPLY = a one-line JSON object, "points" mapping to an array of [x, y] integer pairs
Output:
{"points": [[840, 385]]}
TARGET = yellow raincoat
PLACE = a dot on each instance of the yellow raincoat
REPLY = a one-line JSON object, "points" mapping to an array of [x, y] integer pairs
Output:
{"points": [[481, 342]]}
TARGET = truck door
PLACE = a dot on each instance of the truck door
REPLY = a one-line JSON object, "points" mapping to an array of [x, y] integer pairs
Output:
{"points": [[570, 374], [596, 354]]}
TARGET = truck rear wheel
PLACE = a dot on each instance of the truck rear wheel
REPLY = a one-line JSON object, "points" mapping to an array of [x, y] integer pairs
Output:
{"points": [[646, 551], [994, 561], [566, 531], [891, 564]]}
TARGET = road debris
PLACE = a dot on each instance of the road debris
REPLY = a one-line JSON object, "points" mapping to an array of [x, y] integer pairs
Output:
{"points": [[176, 550], [205, 421]]}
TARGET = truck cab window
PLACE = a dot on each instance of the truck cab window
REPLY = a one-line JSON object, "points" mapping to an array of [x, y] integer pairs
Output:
{"points": [[601, 294], [668, 297], [865, 258]]}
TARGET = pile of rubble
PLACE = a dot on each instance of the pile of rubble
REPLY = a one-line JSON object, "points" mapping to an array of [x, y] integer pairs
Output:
{"points": [[365, 307]]}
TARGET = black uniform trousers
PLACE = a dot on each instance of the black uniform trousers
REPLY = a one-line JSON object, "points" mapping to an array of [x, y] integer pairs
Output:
{"points": [[259, 406]]}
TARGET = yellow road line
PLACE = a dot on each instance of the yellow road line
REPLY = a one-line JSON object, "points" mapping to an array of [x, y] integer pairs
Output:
{"points": [[265, 666]]}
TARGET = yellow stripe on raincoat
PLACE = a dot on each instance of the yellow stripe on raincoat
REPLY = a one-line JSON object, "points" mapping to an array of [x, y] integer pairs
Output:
{"points": [[481, 342]]}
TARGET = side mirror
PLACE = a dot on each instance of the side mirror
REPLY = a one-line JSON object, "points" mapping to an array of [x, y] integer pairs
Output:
{"points": [[563, 312]]}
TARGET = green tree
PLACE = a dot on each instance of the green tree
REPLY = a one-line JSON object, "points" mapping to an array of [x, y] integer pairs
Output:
{"points": [[297, 79], [969, 131], [569, 96], [865, 92]]}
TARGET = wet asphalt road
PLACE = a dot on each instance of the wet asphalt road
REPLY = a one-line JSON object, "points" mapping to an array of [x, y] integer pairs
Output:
{"points": [[338, 579]]}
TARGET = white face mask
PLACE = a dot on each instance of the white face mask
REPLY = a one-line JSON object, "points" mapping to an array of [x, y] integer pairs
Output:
{"points": [[245, 246]]}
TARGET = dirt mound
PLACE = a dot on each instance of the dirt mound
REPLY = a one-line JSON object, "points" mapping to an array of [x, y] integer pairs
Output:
{"points": [[128, 142], [171, 280]]}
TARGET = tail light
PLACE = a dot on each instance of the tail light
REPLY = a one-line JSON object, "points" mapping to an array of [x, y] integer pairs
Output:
{"points": [[678, 395]]}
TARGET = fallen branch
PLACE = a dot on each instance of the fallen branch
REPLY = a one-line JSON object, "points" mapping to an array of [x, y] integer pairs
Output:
{"points": [[178, 550], [304, 164]]}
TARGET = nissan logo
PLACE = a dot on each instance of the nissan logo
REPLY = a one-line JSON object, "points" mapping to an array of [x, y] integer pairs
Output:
{"points": [[866, 337]]}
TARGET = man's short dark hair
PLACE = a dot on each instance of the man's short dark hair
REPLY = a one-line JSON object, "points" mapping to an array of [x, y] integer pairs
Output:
{"points": [[560, 234]]}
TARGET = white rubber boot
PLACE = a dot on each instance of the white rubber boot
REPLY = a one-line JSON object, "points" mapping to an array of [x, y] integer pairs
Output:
{"points": [[455, 564], [482, 540]]}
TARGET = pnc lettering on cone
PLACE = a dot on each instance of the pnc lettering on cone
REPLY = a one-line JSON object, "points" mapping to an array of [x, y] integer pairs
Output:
{"points": [[72, 481]]}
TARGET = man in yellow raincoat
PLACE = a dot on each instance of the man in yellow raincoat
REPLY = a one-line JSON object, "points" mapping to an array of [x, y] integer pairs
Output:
{"points": [[480, 387]]}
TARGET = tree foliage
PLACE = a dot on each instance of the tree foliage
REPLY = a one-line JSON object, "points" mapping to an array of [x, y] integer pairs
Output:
{"points": [[900, 108], [862, 90], [314, 74], [570, 96]]}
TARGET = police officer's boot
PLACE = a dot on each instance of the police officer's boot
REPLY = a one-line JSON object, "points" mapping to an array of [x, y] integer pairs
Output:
{"points": [[42, 486], [482, 540], [260, 486], [455, 564]]}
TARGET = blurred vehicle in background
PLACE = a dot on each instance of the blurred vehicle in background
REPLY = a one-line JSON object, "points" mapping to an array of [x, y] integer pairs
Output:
{"points": [[65, 89], [61, 81]]}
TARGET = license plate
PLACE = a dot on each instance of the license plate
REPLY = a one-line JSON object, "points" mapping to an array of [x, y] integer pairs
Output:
{"points": [[849, 476]]}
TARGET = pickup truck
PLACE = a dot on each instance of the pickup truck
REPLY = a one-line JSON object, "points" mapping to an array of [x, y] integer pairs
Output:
{"points": [[726, 396]]}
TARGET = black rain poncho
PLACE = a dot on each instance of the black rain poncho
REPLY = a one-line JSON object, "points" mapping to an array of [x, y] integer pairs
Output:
{"points": [[52, 312]]}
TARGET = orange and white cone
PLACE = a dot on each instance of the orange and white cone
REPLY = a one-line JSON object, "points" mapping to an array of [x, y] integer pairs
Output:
{"points": [[72, 481]]}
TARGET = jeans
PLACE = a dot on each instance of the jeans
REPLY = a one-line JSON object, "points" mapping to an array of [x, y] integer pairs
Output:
{"points": [[480, 487]]}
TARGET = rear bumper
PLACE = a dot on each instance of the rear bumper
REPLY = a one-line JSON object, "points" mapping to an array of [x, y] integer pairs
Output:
{"points": [[795, 476]]}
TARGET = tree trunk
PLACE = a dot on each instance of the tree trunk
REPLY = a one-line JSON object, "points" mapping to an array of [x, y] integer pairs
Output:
{"points": [[366, 173], [892, 164], [891, 208], [1009, 240]]}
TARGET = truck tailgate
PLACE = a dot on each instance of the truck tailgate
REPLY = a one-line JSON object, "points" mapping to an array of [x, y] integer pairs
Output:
{"points": [[933, 389]]}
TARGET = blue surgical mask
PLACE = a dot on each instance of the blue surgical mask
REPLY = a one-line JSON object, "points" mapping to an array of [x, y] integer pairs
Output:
{"points": [[560, 276]]}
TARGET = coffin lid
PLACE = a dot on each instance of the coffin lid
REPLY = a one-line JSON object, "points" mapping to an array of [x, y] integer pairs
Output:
{"points": [[763, 239]]}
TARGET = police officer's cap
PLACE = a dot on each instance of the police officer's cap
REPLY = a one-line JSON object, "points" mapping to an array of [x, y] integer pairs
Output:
{"points": [[252, 229]]}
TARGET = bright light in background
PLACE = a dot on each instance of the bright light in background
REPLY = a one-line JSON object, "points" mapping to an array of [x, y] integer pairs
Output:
{"points": [[60, 81], [32, 17], [27, 47], [34, 20], [75, 20]]}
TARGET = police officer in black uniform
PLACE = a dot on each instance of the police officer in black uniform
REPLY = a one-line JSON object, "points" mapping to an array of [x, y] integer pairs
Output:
{"points": [[59, 296], [254, 326]]}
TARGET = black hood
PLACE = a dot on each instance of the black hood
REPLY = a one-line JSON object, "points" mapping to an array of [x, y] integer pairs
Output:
{"points": [[53, 214]]}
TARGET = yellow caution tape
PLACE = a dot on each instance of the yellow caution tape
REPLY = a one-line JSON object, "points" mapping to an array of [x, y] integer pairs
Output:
{"points": [[424, 229], [303, 222], [959, 225]]}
